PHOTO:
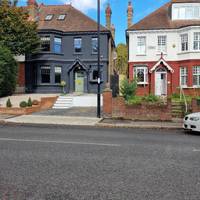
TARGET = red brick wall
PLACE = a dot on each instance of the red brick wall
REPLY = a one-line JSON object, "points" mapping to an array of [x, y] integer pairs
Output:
{"points": [[21, 75], [150, 112], [173, 78], [195, 106]]}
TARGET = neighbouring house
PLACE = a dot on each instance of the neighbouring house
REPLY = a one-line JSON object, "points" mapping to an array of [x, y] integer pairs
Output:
{"points": [[164, 49], [69, 47]]}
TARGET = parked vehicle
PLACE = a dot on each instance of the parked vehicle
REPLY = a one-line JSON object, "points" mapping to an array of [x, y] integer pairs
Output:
{"points": [[191, 122]]}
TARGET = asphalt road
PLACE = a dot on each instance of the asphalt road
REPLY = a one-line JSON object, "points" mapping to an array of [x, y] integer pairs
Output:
{"points": [[66, 163]]}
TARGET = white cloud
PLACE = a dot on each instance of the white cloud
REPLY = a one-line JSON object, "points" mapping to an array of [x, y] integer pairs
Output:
{"points": [[85, 5]]}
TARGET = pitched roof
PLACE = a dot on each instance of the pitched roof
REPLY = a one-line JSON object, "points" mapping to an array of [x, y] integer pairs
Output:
{"points": [[75, 21], [160, 19]]}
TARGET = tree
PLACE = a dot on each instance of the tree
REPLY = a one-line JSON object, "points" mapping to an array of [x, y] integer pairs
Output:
{"points": [[122, 59], [16, 31], [8, 72]]}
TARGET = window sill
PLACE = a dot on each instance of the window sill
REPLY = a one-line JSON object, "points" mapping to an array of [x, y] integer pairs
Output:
{"points": [[185, 52], [143, 83], [94, 53], [52, 53], [140, 54], [159, 53], [95, 81], [77, 53]]}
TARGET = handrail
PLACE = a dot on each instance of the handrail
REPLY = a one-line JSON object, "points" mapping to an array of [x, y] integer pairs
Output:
{"points": [[186, 106]]}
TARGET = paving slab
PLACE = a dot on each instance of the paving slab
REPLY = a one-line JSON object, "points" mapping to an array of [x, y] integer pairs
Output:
{"points": [[54, 120]]}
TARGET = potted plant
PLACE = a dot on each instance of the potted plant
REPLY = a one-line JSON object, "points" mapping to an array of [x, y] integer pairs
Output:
{"points": [[63, 84]]}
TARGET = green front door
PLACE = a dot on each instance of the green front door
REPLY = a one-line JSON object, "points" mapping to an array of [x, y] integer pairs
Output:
{"points": [[79, 81]]}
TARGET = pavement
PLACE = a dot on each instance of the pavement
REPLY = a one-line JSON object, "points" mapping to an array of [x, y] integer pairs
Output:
{"points": [[89, 121], [91, 163]]}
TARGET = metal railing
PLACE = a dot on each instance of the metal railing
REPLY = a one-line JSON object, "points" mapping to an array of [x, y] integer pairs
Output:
{"points": [[184, 98]]}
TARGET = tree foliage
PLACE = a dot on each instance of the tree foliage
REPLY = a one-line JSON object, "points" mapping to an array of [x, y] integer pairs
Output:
{"points": [[8, 72], [122, 59], [16, 32], [128, 89]]}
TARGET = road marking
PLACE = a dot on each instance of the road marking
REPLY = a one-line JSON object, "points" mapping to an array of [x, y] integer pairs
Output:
{"points": [[60, 142], [196, 150]]}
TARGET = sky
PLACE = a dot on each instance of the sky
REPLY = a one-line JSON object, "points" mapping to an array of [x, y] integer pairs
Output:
{"points": [[119, 11]]}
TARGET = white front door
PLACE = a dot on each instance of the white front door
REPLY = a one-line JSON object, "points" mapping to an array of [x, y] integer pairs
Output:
{"points": [[160, 83]]}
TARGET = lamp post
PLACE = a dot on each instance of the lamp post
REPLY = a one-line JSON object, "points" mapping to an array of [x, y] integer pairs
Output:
{"points": [[98, 63]]}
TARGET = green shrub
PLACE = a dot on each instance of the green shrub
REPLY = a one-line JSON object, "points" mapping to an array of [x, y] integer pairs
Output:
{"points": [[128, 89], [8, 103], [8, 72], [134, 100], [151, 98], [23, 104], [29, 103], [175, 96]]}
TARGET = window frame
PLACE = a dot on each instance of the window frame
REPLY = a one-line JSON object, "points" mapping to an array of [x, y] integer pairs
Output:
{"points": [[92, 40], [57, 73], [56, 44], [162, 44], [81, 45], [197, 74], [141, 45], [45, 67], [184, 42], [197, 41], [145, 71], [43, 42], [183, 76], [61, 17]]}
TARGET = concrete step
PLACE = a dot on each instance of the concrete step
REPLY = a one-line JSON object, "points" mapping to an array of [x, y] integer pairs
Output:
{"points": [[63, 102]]}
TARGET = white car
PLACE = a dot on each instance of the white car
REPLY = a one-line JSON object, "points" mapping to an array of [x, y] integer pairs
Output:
{"points": [[191, 122]]}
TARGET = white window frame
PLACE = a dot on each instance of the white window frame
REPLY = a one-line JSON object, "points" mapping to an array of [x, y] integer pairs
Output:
{"points": [[145, 71], [49, 17], [162, 44], [184, 42], [196, 41], [183, 76], [61, 17], [196, 72], [141, 45]]}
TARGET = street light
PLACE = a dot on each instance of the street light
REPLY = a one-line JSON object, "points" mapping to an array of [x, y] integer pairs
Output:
{"points": [[98, 63]]}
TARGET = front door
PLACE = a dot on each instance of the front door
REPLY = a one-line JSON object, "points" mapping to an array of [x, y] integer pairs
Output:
{"points": [[160, 83], [79, 81]]}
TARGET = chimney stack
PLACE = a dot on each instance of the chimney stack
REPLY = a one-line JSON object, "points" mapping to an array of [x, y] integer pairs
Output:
{"points": [[33, 10], [130, 14], [108, 16]]}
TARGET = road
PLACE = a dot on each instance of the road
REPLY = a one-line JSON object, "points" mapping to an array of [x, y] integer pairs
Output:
{"points": [[75, 163]]}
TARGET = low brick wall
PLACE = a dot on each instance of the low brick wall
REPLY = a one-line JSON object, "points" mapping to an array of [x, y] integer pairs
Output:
{"points": [[116, 108], [46, 103], [194, 106]]}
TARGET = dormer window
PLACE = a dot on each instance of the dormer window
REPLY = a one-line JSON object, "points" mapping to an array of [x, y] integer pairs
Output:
{"points": [[61, 17], [48, 17], [183, 11]]}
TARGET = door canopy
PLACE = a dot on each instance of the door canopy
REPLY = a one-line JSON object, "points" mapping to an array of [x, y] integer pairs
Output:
{"points": [[163, 63]]}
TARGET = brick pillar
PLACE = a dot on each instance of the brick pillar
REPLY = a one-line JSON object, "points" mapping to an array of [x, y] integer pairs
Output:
{"points": [[107, 102], [21, 78]]}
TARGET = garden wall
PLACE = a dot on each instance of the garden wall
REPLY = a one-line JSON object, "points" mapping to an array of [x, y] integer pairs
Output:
{"points": [[116, 108], [45, 103]]}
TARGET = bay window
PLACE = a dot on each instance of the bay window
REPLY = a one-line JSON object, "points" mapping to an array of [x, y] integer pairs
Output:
{"points": [[196, 45], [45, 74], [58, 72], [57, 45], [184, 42], [45, 43], [196, 76]]}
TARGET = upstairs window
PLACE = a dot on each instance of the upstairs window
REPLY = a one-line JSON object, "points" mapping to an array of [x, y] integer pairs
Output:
{"points": [[182, 11], [57, 45], [196, 45], [45, 74], [58, 72], [141, 45], [196, 76], [61, 17], [183, 76], [49, 17], [184, 42], [162, 45], [94, 75], [45, 43], [94, 45], [78, 45], [141, 74]]}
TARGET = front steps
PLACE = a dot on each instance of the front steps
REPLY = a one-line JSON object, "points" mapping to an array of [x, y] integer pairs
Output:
{"points": [[63, 102], [178, 109]]}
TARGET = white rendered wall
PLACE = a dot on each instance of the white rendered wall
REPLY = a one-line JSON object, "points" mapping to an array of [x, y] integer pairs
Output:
{"points": [[173, 45]]}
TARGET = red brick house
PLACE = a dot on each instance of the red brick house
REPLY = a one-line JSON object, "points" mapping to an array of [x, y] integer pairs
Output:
{"points": [[164, 49]]}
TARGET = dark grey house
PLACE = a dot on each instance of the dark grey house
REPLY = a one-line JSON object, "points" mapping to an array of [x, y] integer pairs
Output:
{"points": [[68, 50]]}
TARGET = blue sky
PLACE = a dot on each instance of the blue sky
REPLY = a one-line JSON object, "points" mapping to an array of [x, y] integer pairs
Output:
{"points": [[119, 7]]}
